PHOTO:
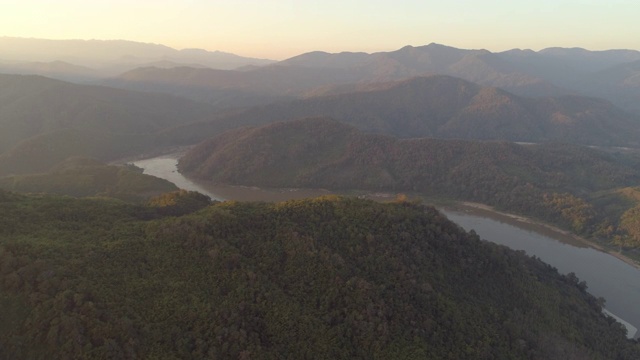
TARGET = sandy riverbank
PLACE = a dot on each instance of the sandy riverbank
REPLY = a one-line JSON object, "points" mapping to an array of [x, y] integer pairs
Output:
{"points": [[518, 219]]}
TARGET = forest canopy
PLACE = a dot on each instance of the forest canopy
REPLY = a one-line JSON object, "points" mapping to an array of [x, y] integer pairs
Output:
{"points": [[331, 277]]}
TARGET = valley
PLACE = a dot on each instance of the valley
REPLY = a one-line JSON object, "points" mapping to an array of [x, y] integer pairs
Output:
{"points": [[425, 202], [617, 280]]}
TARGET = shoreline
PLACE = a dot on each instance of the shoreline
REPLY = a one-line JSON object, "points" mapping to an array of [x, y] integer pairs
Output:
{"points": [[442, 204], [466, 205], [171, 152], [273, 195]]}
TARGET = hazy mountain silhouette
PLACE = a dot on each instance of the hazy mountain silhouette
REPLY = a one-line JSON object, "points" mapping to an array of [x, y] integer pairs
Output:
{"points": [[549, 72], [36, 108], [238, 88], [30, 105], [621, 83], [108, 57], [42, 152], [53, 69], [445, 107]]}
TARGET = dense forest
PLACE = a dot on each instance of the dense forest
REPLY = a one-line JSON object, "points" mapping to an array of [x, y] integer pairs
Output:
{"points": [[588, 191], [334, 278]]}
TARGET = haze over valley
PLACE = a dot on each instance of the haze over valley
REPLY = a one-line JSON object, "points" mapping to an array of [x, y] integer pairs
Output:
{"points": [[103, 257]]}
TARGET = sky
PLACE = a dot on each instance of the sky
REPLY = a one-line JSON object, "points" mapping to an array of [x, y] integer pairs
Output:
{"points": [[278, 29]]}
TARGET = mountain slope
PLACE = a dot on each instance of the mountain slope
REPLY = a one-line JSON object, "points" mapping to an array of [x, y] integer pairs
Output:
{"points": [[103, 122], [446, 107], [325, 278], [32, 105], [621, 82], [314, 152], [42, 152], [232, 88], [82, 177], [553, 182]]}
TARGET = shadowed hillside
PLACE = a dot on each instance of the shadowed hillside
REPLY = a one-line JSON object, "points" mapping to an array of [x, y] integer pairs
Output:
{"points": [[33, 105], [549, 72], [45, 121], [445, 107], [42, 152], [558, 183]]}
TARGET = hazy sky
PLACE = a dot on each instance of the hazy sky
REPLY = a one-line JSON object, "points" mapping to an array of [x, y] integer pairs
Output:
{"points": [[279, 29]]}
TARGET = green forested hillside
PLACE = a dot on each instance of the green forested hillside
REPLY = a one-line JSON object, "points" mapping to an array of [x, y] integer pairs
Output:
{"points": [[326, 278], [555, 182], [81, 177], [609, 74]]}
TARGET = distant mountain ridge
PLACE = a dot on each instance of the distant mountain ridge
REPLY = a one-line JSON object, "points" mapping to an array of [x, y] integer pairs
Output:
{"points": [[106, 57], [549, 72], [445, 107], [233, 88]]}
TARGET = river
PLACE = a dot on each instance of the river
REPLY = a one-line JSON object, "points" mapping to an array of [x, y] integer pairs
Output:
{"points": [[606, 276]]}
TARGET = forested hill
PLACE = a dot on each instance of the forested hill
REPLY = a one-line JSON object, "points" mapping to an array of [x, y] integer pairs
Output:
{"points": [[326, 278], [44, 121], [33, 105], [554, 182], [82, 177], [318, 152], [446, 107]]}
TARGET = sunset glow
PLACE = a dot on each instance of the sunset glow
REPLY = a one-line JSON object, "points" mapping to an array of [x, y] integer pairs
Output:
{"points": [[279, 29]]}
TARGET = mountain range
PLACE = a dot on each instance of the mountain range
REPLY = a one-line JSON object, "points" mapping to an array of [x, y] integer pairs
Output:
{"points": [[83, 60], [234, 81], [549, 72], [445, 107], [44, 121]]}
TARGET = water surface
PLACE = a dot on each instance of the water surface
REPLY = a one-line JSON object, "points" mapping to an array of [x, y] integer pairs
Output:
{"points": [[606, 276]]}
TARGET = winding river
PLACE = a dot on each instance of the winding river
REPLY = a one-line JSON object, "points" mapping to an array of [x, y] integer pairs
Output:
{"points": [[606, 276]]}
